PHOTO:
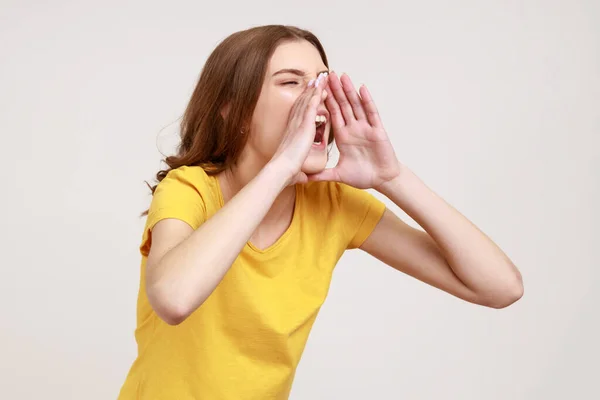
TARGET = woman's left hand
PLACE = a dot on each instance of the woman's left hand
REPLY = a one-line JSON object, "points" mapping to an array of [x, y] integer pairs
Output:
{"points": [[367, 158]]}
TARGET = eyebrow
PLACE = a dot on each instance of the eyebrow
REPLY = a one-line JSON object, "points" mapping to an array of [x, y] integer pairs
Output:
{"points": [[295, 71]]}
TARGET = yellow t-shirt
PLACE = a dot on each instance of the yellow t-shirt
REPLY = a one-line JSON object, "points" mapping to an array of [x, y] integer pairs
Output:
{"points": [[245, 341]]}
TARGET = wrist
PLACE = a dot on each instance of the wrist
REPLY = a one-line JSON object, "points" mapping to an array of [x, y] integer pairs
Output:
{"points": [[396, 184], [282, 169], [276, 173]]}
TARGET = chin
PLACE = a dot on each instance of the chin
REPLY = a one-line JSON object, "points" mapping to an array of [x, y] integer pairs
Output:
{"points": [[315, 162]]}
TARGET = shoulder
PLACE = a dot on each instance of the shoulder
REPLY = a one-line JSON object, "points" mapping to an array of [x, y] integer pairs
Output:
{"points": [[187, 184], [192, 177], [352, 213], [337, 195], [186, 193]]}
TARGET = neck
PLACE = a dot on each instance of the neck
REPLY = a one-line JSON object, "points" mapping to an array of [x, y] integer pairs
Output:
{"points": [[247, 168]]}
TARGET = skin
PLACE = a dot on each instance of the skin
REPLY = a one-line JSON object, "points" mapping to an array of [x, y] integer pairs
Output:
{"points": [[184, 266], [452, 254], [292, 66]]}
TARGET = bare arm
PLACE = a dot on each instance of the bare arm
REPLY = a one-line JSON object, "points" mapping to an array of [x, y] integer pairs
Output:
{"points": [[452, 255], [185, 266]]}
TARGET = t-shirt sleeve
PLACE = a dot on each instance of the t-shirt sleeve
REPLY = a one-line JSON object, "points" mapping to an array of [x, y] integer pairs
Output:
{"points": [[177, 196], [361, 212]]}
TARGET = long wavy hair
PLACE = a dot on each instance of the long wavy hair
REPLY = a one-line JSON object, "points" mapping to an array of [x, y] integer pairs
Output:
{"points": [[232, 75]]}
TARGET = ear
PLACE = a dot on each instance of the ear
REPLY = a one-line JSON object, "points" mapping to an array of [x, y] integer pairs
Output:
{"points": [[225, 111]]}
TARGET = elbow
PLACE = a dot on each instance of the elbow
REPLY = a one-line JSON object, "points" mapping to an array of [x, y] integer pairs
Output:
{"points": [[169, 307], [508, 298], [510, 294], [172, 317]]}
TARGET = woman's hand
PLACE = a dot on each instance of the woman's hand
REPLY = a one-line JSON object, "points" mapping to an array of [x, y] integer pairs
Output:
{"points": [[367, 158], [300, 131]]}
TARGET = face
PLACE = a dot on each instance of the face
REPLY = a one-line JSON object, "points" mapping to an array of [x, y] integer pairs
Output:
{"points": [[291, 67]]}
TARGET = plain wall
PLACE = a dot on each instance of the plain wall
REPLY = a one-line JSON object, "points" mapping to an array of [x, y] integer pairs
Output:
{"points": [[495, 105]]}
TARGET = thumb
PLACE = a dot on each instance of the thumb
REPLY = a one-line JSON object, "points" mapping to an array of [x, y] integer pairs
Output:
{"points": [[300, 178], [329, 174]]}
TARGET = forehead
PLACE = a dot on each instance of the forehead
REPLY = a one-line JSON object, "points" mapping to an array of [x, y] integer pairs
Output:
{"points": [[299, 54]]}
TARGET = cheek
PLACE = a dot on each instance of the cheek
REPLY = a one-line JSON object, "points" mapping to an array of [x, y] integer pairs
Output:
{"points": [[272, 119], [289, 96], [283, 107]]}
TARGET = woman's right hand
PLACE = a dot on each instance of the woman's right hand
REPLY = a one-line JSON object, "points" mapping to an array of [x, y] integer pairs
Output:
{"points": [[184, 265], [300, 132]]}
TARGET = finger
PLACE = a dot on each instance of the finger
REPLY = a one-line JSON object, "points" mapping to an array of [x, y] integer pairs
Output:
{"points": [[296, 112], [338, 92], [303, 100], [335, 114], [305, 107], [353, 97], [322, 79], [314, 101], [308, 119], [300, 178], [306, 95], [370, 107], [329, 174]]}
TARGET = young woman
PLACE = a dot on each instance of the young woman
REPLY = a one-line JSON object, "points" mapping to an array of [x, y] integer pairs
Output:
{"points": [[246, 226]]}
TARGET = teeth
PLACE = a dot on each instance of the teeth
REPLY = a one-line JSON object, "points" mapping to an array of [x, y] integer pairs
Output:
{"points": [[320, 119]]}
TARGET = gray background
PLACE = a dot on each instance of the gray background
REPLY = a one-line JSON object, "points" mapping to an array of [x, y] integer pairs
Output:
{"points": [[495, 105]]}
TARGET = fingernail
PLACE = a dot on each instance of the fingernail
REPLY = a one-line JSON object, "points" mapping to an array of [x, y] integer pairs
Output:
{"points": [[321, 76], [310, 83]]}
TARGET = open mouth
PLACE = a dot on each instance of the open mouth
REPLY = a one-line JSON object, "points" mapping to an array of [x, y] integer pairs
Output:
{"points": [[320, 123]]}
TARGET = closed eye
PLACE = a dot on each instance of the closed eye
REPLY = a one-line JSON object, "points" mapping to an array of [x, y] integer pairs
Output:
{"points": [[290, 83]]}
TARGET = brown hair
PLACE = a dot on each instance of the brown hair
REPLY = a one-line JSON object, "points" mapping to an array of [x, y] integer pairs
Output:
{"points": [[232, 76]]}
